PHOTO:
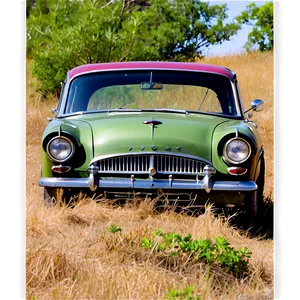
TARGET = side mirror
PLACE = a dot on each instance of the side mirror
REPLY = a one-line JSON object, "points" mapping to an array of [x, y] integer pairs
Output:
{"points": [[54, 111], [256, 105]]}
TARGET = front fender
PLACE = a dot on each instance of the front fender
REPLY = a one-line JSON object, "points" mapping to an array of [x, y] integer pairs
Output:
{"points": [[258, 165], [228, 130], [80, 130]]}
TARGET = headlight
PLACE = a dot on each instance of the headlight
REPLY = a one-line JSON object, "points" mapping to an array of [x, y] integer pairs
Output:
{"points": [[236, 151], [60, 149]]}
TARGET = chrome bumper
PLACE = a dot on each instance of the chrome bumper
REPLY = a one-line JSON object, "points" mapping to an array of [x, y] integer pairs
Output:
{"points": [[206, 184]]}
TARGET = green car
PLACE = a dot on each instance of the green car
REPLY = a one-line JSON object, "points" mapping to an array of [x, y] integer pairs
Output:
{"points": [[147, 127]]}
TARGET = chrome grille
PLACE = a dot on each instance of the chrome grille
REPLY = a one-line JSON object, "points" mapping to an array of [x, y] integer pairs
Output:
{"points": [[125, 164], [177, 165], [140, 164]]}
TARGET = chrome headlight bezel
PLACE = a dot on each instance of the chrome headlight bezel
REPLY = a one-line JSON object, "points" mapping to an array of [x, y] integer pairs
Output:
{"points": [[55, 157], [229, 158]]}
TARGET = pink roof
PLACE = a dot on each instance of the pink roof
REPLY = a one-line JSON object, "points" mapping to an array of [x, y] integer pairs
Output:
{"points": [[151, 65]]}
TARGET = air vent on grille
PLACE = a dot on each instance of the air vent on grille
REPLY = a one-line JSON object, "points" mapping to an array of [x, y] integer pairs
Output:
{"points": [[140, 164]]}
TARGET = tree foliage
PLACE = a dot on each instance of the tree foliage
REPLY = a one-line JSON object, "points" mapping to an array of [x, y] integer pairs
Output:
{"points": [[62, 34], [181, 30], [261, 18]]}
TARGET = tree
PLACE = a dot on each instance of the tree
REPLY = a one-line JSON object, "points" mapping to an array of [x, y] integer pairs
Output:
{"points": [[181, 30], [79, 32], [65, 33], [261, 18], [142, 4]]}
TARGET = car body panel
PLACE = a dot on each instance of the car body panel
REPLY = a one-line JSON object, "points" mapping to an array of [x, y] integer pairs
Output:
{"points": [[233, 128], [77, 128], [118, 132], [207, 68], [194, 137]]}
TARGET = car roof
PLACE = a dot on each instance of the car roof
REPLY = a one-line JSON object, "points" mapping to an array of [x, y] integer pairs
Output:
{"points": [[178, 66]]}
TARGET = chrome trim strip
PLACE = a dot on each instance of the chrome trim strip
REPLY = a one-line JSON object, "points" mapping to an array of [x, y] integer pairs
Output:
{"points": [[236, 99], [238, 186], [180, 155], [64, 182], [53, 168], [151, 165], [135, 111], [63, 101], [236, 132]]}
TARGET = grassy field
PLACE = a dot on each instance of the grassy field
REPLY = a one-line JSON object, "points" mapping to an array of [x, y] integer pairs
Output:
{"points": [[70, 254]]}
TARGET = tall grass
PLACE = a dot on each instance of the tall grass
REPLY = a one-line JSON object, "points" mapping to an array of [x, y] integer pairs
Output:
{"points": [[255, 72], [70, 254]]}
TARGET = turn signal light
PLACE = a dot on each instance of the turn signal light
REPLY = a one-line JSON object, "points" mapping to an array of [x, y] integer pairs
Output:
{"points": [[237, 171], [61, 169]]}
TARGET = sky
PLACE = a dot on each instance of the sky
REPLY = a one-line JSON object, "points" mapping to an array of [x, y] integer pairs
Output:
{"points": [[235, 45]]}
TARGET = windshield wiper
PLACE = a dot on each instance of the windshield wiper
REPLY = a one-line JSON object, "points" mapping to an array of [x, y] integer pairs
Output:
{"points": [[124, 109], [182, 111], [203, 99]]}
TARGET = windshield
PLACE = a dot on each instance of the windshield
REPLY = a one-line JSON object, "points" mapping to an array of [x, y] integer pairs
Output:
{"points": [[148, 90]]}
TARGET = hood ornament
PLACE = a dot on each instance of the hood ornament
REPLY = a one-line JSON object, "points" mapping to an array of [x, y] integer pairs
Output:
{"points": [[153, 124]]}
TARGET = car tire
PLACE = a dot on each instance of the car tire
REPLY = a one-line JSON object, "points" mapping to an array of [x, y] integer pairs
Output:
{"points": [[260, 190], [255, 201], [50, 195], [62, 196]]}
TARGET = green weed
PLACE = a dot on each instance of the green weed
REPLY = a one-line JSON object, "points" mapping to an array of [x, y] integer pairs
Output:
{"points": [[212, 253]]}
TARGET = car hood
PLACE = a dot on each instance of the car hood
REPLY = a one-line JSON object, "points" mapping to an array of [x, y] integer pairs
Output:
{"points": [[123, 132]]}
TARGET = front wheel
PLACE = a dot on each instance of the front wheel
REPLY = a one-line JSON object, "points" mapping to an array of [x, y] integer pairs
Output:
{"points": [[255, 201], [252, 210], [60, 196], [260, 187]]}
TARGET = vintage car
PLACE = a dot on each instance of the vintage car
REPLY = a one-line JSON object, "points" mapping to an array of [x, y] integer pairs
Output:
{"points": [[153, 127]]}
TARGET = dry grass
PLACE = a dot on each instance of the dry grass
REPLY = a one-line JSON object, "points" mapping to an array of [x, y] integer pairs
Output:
{"points": [[255, 73], [71, 255]]}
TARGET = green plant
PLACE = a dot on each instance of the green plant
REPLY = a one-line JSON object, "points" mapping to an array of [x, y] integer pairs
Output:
{"points": [[212, 253], [235, 261], [114, 228], [62, 34], [261, 18], [182, 293], [147, 243]]}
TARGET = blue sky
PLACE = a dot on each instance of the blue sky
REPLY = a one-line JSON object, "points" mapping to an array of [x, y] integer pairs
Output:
{"points": [[235, 45]]}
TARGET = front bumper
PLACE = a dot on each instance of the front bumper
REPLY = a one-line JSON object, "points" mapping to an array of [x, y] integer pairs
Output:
{"points": [[206, 184]]}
